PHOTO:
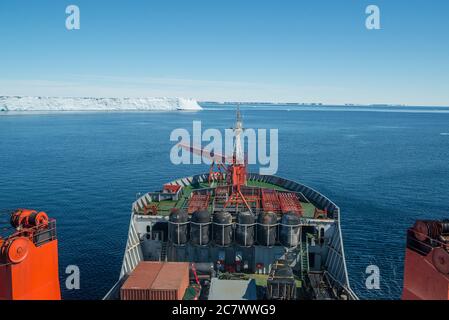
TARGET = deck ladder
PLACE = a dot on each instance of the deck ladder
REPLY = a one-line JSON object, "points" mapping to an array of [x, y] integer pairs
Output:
{"points": [[164, 251], [304, 258]]}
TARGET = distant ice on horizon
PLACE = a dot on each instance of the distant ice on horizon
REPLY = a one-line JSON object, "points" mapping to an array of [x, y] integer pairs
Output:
{"points": [[24, 103]]}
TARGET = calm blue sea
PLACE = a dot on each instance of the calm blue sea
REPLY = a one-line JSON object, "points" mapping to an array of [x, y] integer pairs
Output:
{"points": [[384, 168]]}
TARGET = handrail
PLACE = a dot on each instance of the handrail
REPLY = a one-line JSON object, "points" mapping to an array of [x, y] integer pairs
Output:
{"points": [[33, 232]]}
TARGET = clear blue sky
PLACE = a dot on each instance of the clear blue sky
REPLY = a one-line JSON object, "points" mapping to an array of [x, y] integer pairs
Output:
{"points": [[247, 50]]}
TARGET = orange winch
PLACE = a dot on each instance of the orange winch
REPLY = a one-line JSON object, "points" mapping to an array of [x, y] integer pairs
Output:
{"points": [[29, 258]]}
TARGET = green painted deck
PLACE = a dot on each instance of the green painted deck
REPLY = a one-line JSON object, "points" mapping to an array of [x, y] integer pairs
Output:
{"points": [[164, 207], [260, 184], [261, 280], [309, 210]]}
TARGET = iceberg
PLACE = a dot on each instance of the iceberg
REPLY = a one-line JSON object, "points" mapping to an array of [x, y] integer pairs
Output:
{"points": [[24, 103]]}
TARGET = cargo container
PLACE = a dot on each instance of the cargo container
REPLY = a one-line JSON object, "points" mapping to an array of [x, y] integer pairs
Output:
{"points": [[171, 282], [156, 281]]}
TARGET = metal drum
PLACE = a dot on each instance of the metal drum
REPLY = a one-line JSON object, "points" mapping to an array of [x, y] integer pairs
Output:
{"points": [[200, 228], [267, 229], [222, 228], [244, 233], [178, 227], [289, 231]]}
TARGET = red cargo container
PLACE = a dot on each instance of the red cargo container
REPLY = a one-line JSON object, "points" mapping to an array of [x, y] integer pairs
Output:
{"points": [[171, 282], [139, 281], [156, 281]]}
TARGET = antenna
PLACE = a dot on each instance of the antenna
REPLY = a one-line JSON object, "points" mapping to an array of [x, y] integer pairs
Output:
{"points": [[238, 147], [239, 115]]}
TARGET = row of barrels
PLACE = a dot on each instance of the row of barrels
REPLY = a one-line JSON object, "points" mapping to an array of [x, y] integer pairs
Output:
{"points": [[202, 229]]}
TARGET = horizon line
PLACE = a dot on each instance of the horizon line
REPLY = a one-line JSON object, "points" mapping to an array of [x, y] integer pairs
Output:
{"points": [[239, 102]]}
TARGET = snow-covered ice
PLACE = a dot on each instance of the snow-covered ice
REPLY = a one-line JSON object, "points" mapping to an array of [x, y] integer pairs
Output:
{"points": [[22, 103]]}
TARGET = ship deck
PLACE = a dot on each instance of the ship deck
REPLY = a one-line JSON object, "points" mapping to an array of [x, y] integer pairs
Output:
{"points": [[164, 207], [320, 246]]}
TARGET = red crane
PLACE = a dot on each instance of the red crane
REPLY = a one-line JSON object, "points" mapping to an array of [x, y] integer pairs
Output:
{"points": [[233, 166]]}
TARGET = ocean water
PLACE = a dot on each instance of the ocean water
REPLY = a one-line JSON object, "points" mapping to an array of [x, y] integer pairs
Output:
{"points": [[384, 168]]}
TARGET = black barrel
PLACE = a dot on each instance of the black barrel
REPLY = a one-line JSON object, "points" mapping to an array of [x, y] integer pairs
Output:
{"points": [[177, 227], [222, 228], [267, 229], [289, 231], [200, 228], [244, 233]]}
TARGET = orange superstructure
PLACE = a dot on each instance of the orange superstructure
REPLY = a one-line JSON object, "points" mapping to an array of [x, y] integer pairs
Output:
{"points": [[29, 258], [426, 267]]}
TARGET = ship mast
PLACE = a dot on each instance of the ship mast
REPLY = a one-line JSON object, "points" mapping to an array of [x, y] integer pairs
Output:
{"points": [[239, 157], [234, 166], [237, 170]]}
